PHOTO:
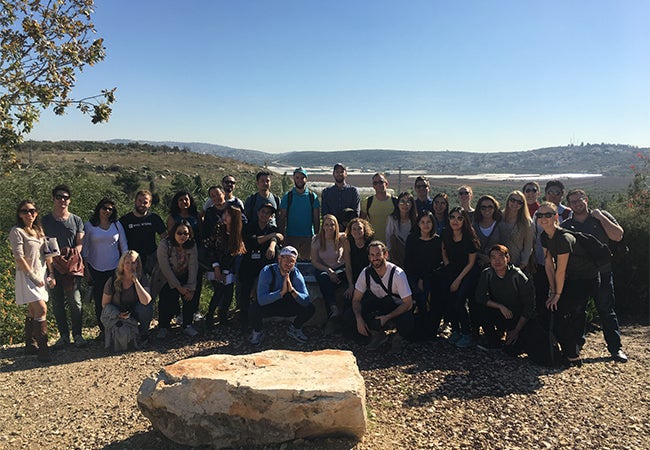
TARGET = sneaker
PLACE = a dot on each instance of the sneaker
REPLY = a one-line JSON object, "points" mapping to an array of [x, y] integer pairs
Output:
{"points": [[190, 331], [178, 320], [397, 344], [334, 311], [197, 317], [256, 337], [488, 345], [466, 341], [61, 343], [80, 342], [377, 339], [162, 333], [620, 356], [454, 337], [297, 334]]}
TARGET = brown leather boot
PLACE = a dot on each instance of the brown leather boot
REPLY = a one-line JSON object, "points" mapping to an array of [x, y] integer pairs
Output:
{"points": [[30, 343], [40, 333]]}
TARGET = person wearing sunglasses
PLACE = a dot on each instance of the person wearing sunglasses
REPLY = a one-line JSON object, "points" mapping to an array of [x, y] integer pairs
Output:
{"points": [[175, 278], [553, 192], [422, 200], [28, 245], [572, 278], [459, 248], [103, 244], [68, 229], [606, 229], [531, 192], [376, 208], [516, 231], [465, 195], [486, 225]]}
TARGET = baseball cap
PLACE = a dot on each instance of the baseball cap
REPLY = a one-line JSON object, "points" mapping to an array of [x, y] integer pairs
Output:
{"points": [[289, 251], [340, 165], [268, 205], [300, 170]]}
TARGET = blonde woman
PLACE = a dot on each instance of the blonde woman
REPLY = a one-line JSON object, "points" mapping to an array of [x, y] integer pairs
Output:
{"points": [[516, 230], [126, 304], [328, 260], [29, 248]]}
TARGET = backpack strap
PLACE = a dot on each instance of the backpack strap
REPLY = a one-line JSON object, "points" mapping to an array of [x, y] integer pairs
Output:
{"points": [[371, 272]]}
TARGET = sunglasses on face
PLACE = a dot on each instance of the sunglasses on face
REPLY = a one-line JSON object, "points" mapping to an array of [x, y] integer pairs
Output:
{"points": [[515, 200], [529, 190], [485, 207], [554, 192], [108, 208], [458, 218], [182, 233], [229, 182], [62, 197], [28, 211], [378, 182], [463, 193], [405, 202], [546, 215]]}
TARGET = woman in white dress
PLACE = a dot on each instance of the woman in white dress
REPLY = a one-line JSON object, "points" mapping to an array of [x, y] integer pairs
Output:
{"points": [[29, 248]]}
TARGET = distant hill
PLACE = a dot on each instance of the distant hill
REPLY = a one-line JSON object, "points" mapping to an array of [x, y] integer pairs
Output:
{"points": [[608, 159]]}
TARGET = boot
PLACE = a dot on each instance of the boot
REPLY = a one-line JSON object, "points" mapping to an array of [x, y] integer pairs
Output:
{"points": [[30, 342], [40, 333]]}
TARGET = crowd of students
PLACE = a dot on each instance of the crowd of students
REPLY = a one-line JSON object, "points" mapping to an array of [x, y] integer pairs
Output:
{"points": [[496, 277]]}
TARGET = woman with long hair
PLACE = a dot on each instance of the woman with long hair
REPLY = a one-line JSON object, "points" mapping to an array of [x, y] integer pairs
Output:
{"points": [[358, 235], [423, 257], [465, 195], [459, 248], [29, 248], [516, 230], [127, 309], [178, 264], [327, 258], [224, 243], [440, 212], [103, 244], [572, 278], [400, 224], [486, 226]]}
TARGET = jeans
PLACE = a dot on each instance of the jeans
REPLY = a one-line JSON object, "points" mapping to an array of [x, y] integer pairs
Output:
{"points": [[99, 280], [287, 306], [458, 301], [143, 314], [220, 301], [605, 301], [73, 299], [328, 288]]}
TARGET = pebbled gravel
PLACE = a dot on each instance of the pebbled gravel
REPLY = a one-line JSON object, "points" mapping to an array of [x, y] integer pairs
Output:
{"points": [[430, 396]]}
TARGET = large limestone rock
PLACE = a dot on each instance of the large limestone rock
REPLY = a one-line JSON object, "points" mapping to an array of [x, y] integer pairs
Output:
{"points": [[268, 397]]}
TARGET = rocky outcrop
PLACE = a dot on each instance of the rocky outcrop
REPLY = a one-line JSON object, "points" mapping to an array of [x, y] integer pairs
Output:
{"points": [[268, 397]]}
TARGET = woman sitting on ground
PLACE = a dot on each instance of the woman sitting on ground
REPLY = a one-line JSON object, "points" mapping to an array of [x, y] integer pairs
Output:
{"points": [[400, 224], [327, 258], [127, 309]]}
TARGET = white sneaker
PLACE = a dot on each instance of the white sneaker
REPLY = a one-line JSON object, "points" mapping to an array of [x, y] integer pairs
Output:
{"points": [[190, 331], [197, 317], [297, 334], [256, 337]]}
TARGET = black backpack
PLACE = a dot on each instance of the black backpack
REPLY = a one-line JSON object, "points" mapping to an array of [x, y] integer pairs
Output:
{"points": [[372, 197], [598, 252]]}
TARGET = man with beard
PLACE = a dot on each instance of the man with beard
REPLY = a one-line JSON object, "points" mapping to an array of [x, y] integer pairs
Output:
{"points": [[228, 184], [340, 196], [382, 295], [299, 214], [141, 226], [605, 228]]}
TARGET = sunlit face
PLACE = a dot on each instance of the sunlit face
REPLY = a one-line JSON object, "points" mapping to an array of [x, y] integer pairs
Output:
{"points": [[142, 204], [545, 216], [182, 234], [62, 199], [426, 226], [456, 220], [28, 214], [532, 193], [464, 195], [330, 227], [515, 202], [487, 209], [357, 230], [264, 215], [404, 204], [299, 180], [498, 260], [379, 183], [106, 210], [439, 206], [287, 263], [184, 202], [421, 189], [376, 256], [130, 264], [578, 203], [340, 174], [554, 195], [264, 183], [228, 184], [218, 197]]}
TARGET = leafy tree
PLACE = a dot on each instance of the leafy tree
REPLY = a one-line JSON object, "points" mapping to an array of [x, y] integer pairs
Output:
{"points": [[44, 44]]}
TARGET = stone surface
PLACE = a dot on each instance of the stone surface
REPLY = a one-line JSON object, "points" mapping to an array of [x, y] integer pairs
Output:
{"points": [[268, 397]]}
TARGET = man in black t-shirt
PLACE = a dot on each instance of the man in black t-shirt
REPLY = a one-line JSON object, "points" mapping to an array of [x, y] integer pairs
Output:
{"points": [[141, 227]]}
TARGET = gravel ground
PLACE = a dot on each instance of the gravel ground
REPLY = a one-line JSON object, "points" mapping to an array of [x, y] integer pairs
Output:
{"points": [[430, 396]]}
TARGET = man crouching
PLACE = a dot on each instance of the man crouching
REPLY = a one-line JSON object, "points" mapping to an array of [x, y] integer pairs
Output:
{"points": [[382, 296]]}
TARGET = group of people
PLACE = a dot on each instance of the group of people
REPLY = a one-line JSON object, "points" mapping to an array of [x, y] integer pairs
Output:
{"points": [[410, 262]]}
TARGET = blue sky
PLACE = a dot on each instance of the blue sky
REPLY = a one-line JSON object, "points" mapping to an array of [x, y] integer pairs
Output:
{"points": [[342, 74]]}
